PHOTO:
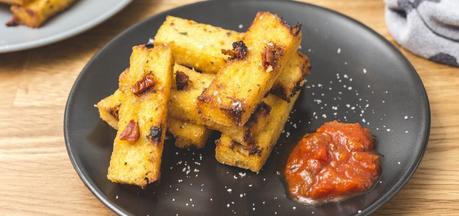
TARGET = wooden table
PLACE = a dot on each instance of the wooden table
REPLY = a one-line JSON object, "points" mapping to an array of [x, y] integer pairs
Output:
{"points": [[36, 176]]}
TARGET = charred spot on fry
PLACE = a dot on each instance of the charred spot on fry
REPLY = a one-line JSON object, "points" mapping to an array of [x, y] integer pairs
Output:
{"points": [[280, 91], [298, 86], [262, 109], [296, 29], [155, 134], [235, 111], [253, 150], [239, 51]]}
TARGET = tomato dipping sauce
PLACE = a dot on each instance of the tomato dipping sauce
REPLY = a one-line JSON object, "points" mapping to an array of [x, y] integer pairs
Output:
{"points": [[332, 163]]}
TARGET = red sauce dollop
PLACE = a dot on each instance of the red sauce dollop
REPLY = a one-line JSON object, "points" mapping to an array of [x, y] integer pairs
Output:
{"points": [[334, 162]]}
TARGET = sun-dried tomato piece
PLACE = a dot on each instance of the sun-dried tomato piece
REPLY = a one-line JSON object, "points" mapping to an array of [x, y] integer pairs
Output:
{"points": [[296, 29], [271, 56], [131, 132], [143, 85], [115, 112], [181, 80], [238, 52]]}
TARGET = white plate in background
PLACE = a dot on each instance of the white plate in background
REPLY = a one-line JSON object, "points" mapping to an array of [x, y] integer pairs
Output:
{"points": [[83, 15]]}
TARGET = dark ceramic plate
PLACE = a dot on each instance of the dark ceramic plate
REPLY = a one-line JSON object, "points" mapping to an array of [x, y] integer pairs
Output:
{"points": [[357, 76]]}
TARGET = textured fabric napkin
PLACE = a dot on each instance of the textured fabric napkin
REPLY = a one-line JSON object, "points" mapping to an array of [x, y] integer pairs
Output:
{"points": [[429, 28]]}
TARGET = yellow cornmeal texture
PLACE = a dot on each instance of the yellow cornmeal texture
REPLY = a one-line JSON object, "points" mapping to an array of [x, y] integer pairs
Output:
{"points": [[183, 103], [231, 153], [34, 13], [139, 162], [195, 44], [188, 135], [237, 89]]}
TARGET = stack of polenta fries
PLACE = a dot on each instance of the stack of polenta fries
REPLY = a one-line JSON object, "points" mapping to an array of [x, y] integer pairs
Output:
{"points": [[198, 78], [33, 13]]}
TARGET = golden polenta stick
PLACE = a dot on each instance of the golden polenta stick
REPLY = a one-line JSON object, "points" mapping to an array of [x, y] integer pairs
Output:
{"points": [[35, 12], [138, 145], [256, 63], [188, 85], [183, 105], [253, 157], [201, 48], [195, 44], [188, 134]]}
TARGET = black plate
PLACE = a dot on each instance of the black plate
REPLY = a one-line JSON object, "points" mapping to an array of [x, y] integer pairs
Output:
{"points": [[357, 76]]}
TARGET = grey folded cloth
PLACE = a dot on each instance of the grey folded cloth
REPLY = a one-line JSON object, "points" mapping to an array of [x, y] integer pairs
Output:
{"points": [[429, 28]]}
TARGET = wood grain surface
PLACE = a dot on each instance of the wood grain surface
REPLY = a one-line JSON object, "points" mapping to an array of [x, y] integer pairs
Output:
{"points": [[37, 178]]}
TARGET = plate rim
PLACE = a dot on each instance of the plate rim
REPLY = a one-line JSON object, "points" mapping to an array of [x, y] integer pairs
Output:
{"points": [[67, 33], [394, 189]]}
